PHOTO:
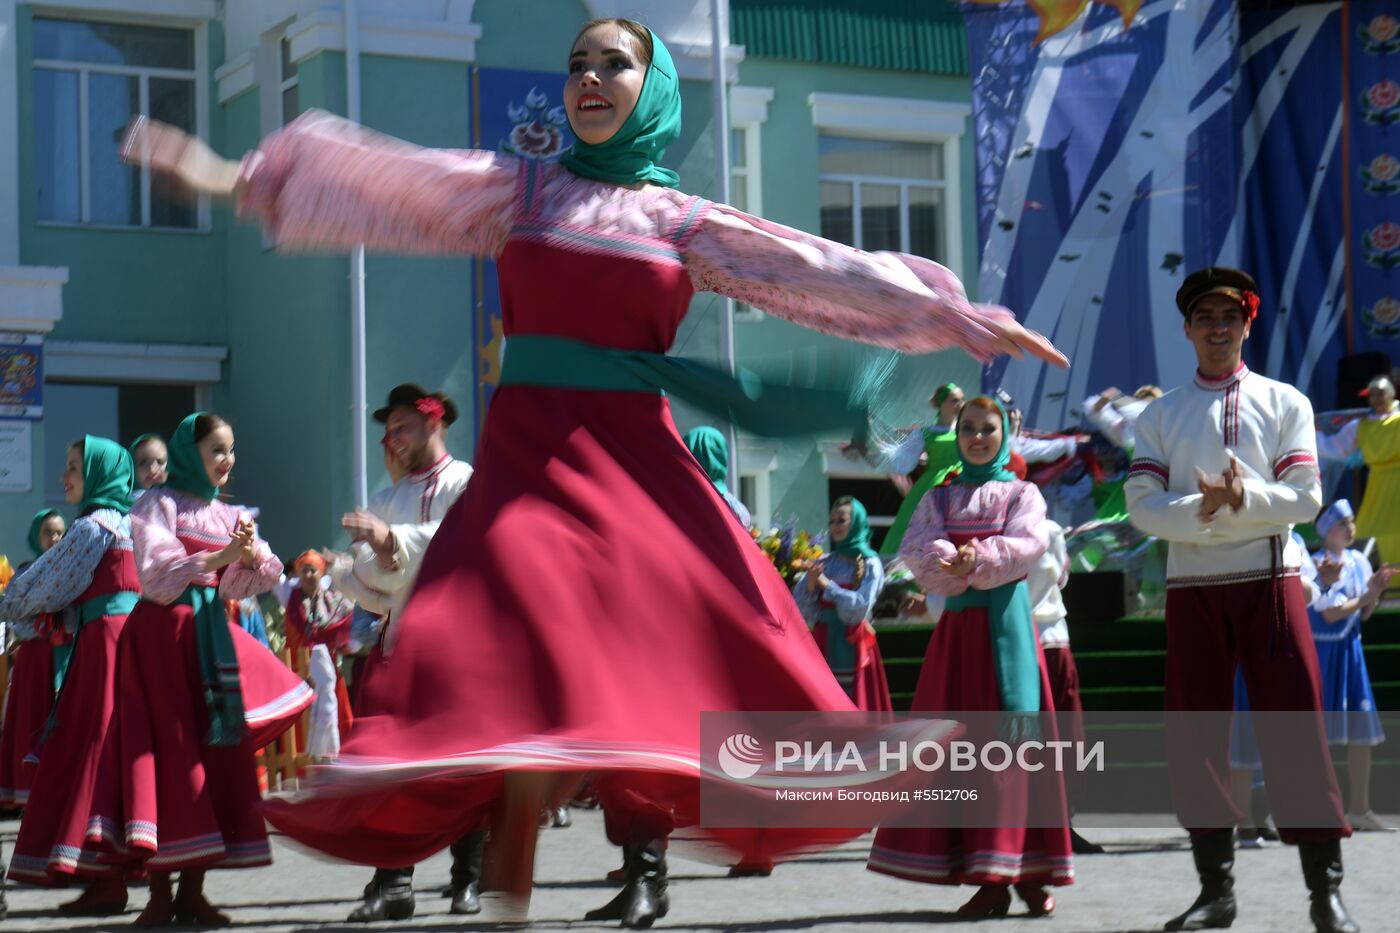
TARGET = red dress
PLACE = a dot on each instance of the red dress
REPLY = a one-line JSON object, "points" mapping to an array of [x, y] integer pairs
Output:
{"points": [[59, 837], [166, 798], [27, 704], [590, 594], [1006, 520]]}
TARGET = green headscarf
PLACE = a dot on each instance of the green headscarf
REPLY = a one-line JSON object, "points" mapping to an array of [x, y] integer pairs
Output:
{"points": [[711, 451], [941, 394], [994, 470], [34, 524], [857, 541], [109, 476], [630, 155], [185, 468], [136, 444]]}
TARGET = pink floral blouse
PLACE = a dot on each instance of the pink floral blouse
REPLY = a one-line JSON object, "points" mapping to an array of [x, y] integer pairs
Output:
{"points": [[162, 518], [1005, 519], [324, 183]]}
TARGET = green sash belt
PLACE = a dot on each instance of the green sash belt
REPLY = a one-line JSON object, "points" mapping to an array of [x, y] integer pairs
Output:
{"points": [[110, 604], [218, 666], [1013, 642], [745, 400], [89, 610]]}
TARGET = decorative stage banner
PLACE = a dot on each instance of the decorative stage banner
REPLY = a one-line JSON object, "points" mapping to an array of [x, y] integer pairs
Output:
{"points": [[1121, 145], [520, 113]]}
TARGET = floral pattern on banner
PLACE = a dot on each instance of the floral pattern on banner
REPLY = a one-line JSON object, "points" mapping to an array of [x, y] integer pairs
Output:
{"points": [[1383, 318], [538, 129], [1382, 175], [1381, 35], [1375, 231]]}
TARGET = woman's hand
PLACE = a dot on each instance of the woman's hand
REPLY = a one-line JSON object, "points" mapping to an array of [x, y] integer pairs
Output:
{"points": [[1017, 341], [963, 564], [171, 151]]}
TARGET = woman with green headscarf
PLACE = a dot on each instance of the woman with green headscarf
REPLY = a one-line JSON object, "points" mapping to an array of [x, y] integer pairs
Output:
{"points": [[587, 533], [89, 577], [937, 445], [31, 687], [974, 541], [711, 450], [836, 597], [197, 695]]}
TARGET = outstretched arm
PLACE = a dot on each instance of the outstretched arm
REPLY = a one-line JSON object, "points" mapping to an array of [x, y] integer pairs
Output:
{"points": [[324, 183], [887, 299]]}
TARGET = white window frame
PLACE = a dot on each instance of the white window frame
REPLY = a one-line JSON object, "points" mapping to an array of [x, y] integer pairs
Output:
{"points": [[286, 83], [137, 363], [837, 464], [757, 462], [902, 119], [748, 111], [199, 74]]}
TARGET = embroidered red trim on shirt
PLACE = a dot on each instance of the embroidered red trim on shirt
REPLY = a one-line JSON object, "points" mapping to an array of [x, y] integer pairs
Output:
{"points": [[1146, 467], [1292, 459]]}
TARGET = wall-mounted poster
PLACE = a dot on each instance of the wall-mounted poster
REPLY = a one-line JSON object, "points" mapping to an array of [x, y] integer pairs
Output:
{"points": [[21, 376], [16, 456]]}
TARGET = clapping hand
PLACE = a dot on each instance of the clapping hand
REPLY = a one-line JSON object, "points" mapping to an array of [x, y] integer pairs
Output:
{"points": [[963, 563], [1218, 492], [246, 536], [1329, 571]]}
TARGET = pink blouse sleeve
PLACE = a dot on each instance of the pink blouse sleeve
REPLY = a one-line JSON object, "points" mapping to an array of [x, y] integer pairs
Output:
{"points": [[1011, 555], [163, 565], [925, 544], [238, 581], [324, 183], [891, 300]]}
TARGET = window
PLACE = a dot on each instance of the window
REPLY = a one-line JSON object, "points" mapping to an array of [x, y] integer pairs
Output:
{"points": [[851, 475], [90, 79], [739, 168], [756, 465], [291, 105], [121, 412], [880, 194]]}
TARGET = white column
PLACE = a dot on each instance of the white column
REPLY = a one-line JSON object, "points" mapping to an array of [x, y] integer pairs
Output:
{"points": [[9, 137]]}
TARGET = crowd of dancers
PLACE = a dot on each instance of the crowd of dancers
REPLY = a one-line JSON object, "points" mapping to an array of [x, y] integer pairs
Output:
{"points": [[599, 574]]}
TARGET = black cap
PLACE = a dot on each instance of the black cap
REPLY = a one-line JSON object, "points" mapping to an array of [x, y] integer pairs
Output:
{"points": [[407, 396], [1216, 280]]}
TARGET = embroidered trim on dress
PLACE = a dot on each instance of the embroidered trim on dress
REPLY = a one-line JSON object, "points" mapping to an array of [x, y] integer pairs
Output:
{"points": [[1222, 579]]}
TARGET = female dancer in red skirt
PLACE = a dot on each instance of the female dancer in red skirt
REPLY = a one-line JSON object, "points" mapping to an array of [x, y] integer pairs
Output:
{"points": [[91, 569], [30, 694], [607, 591], [196, 695], [974, 542]]}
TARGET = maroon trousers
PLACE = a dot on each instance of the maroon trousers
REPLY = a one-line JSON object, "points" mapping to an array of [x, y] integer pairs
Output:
{"points": [[1261, 626], [1064, 690]]}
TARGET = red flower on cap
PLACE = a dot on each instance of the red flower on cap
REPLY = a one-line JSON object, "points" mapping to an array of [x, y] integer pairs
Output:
{"points": [[430, 408], [1250, 302]]}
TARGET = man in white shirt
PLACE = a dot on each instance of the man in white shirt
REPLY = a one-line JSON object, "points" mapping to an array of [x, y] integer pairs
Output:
{"points": [[1224, 467], [390, 538]]}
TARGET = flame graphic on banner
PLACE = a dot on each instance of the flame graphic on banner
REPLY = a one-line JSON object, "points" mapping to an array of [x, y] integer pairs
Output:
{"points": [[1056, 15]]}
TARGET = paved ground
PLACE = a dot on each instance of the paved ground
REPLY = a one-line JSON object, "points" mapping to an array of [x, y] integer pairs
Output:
{"points": [[1145, 878]]}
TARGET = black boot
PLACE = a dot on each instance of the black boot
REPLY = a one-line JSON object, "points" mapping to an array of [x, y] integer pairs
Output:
{"points": [[1214, 909], [644, 899], [388, 896], [465, 889], [1322, 871]]}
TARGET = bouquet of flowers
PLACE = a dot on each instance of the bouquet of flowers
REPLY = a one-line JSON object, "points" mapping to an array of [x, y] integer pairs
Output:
{"points": [[791, 551]]}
